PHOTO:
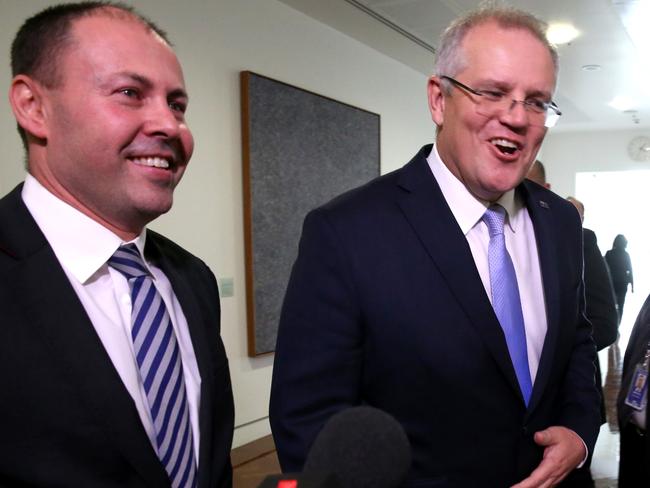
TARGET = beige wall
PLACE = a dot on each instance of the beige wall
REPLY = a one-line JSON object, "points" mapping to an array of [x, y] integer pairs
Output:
{"points": [[215, 40]]}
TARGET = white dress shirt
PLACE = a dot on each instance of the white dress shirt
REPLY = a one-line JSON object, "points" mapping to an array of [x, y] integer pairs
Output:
{"points": [[83, 247], [520, 242]]}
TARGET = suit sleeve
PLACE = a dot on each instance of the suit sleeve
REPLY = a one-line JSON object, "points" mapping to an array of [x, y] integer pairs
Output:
{"points": [[317, 369], [599, 294]]}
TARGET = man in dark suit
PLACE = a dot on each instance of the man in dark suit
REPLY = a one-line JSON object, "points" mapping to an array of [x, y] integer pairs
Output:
{"points": [[600, 303], [391, 301], [634, 459], [537, 173], [599, 291], [113, 372]]}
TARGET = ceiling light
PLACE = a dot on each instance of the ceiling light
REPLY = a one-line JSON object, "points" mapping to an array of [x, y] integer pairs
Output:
{"points": [[561, 33], [591, 67], [622, 103]]}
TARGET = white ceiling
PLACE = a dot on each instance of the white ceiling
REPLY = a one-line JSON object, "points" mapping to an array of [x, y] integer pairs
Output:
{"points": [[583, 96]]}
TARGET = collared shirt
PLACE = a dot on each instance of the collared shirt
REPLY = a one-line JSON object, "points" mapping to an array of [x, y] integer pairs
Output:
{"points": [[83, 246], [520, 242]]}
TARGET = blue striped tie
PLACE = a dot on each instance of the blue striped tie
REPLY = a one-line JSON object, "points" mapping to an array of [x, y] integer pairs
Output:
{"points": [[505, 297], [161, 370]]}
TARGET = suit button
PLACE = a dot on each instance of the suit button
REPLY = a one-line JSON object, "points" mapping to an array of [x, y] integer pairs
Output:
{"points": [[524, 430]]}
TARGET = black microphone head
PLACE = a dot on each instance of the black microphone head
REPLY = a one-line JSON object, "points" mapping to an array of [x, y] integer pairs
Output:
{"points": [[363, 447]]}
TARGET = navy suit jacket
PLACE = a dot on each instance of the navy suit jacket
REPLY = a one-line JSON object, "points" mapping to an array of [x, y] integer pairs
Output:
{"points": [[385, 307], [66, 418]]}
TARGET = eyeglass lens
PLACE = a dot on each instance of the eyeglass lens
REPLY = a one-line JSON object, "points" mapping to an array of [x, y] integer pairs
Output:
{"points": [[489, 108]]}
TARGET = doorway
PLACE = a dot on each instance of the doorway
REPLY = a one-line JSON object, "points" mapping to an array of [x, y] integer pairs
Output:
{"points": [[616, 202]]}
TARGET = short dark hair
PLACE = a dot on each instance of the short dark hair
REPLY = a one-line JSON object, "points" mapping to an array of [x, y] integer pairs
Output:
{"points": [[41, 40]]}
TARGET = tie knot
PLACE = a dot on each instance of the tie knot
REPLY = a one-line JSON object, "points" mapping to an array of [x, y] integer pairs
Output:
{"points": [[128, 261], [494, 217]]}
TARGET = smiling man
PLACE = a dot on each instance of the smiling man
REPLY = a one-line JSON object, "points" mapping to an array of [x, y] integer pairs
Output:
{"points": [[449, 293], [113, 372]]}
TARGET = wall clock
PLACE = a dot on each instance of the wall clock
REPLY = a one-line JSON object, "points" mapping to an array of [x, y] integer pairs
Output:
{"points": [[639, 148]]}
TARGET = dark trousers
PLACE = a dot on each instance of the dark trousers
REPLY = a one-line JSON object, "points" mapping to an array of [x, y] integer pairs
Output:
{"points": [[620, 301], [634, 464]]}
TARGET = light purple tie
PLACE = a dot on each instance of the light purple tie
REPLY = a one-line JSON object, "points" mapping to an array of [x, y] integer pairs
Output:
{"points": [[161, 370], [505, 297]]}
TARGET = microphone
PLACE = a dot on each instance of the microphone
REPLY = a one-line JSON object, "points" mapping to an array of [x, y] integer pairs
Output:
{"points": [[362, 447]]}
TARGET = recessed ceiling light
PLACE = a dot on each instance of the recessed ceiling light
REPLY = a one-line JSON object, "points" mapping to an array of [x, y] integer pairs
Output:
{"points": [[622, 103], [561, 33], [591, 67]]}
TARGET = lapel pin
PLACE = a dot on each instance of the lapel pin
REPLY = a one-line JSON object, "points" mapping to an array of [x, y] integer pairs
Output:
{"points": [[543, 204]]}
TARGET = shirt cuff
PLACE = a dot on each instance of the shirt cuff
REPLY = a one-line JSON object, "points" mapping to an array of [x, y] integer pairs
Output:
{"points": [[584, 460]]}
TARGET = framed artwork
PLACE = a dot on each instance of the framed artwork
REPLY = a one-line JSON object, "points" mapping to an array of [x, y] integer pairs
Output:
{"points": [[300, 150]]}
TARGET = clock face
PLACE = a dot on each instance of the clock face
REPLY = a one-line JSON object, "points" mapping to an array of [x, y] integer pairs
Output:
{"points": [[639, 148]]}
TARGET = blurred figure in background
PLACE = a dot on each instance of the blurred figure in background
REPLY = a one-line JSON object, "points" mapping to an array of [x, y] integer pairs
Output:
{"points": [[599, 297], [634, 460], [537, 173], [601, 304], [620, 268]]}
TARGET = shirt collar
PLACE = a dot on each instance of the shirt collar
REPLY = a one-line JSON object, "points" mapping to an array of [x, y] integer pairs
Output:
{"points": [[81, 244], [466, 208]]}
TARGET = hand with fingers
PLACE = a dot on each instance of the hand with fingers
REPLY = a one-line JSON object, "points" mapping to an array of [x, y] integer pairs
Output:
{"points": [[563, 452]]}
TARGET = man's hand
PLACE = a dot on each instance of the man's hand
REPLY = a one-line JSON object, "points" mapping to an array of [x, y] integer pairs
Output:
{"points": [[563, 451]]}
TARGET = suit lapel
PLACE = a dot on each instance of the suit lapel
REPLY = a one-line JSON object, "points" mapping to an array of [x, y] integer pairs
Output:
{"points": [[427, 211], [546, 238], [59, 319]]}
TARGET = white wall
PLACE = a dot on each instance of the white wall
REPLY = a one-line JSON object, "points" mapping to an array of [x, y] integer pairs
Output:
{"points": [[568, 153], [214, 41]]}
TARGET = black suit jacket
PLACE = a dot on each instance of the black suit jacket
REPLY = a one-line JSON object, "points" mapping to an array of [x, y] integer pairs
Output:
{"points": [[600, 304], [386, 307], [66, 419], [599, 293]]}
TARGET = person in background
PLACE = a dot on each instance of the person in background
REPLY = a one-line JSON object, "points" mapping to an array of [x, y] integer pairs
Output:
{"points": [[449, 293], [634, 459], [620, 267], [112, 370], [537, 173], [599, 298], [599, 294], [599, 291]]}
